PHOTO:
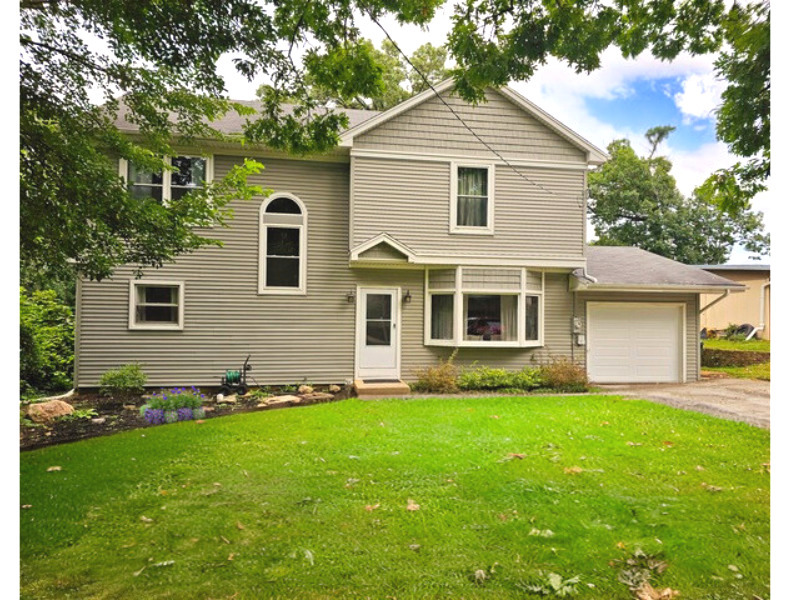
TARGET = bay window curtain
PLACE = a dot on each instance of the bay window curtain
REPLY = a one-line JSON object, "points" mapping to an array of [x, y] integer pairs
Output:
{"points": [[442, 317], [508, 318]]}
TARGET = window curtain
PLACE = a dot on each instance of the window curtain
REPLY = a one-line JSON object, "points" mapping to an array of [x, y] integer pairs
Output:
{"points": [[473, 197], [441, 317], [508, 317]]}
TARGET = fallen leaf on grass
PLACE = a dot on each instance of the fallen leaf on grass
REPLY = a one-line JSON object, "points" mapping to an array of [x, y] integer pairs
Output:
{"points": [[414, 547], [480, 576], [699, 468], [711, 488], [572, 470], [163, 492], [25, 506], [604, 424], [51, 469], [412, 505], [494, 417], [145, 519], [634, 443], [239, 525], [224, 539], [515, 455], [546, 533], [668, 443], [371, 507], [199, 421], [648, 592], [765, 466], [620, 545], [231, 555]]}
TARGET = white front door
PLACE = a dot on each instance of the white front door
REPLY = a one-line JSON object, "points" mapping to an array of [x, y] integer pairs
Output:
{"points": [[378, 337]]}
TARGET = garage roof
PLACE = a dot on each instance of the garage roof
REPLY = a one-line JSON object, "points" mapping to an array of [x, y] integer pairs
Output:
{"points": [[627, 268]]}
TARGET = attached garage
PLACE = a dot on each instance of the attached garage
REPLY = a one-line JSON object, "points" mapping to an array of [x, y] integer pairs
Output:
{"points": [[635, 342]]}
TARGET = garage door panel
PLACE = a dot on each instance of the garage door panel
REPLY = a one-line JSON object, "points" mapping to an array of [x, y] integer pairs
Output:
{"points": [[634, 342]]}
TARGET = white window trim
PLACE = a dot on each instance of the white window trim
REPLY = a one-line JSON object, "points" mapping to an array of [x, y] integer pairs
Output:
{"points": [[454, 227], [263, 289], [459, 291], [166, 182], [132, 324]]}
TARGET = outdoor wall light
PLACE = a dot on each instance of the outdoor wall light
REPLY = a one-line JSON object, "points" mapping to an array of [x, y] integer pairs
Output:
{"points": [[407, 297], [351, 297]]}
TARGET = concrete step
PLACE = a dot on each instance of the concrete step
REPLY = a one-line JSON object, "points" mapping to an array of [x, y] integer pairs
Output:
{"points": [[380, 389]]}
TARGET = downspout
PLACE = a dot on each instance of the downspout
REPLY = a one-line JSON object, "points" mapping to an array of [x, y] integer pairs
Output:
{"points": [[713, 302], [763, 311]]}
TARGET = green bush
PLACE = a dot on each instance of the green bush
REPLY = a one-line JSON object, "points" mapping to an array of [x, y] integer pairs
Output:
{"points": [[441, 379], [564, 375], [128, 380], [488, 378], [46, 343]]}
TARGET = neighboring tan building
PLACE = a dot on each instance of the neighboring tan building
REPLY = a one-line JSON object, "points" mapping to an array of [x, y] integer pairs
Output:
{"points": [[409, 241], [750, 307]]}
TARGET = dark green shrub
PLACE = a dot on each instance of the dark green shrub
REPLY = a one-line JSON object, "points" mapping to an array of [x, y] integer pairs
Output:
{"points": [[46, 342], [441, 379], [564, 375], [488, 378], [121, 383]]}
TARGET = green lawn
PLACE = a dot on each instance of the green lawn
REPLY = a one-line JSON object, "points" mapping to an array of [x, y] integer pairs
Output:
{"points": [[312, 503], [759, 371], [749, 346]]}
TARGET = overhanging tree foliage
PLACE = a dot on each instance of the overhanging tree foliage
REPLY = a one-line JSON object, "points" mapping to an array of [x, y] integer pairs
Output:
{"points": [[633, 201], [162, 57]]}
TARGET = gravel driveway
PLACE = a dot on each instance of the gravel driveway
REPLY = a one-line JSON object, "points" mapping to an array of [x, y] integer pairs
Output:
{"points": [[728, 398]]}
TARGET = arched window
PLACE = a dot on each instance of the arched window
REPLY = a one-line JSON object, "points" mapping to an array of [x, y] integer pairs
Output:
{"points": [[282, 245]]}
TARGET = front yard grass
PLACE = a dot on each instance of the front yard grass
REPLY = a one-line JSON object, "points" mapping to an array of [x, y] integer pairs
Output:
{"points": [[314, 502], [759, 371], [749, 346]]}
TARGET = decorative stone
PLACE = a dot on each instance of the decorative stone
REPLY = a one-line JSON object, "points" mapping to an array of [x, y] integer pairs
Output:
{"points": [[305, 389], [209, 409], [282, 400], [227, 399], [317, 397], [220, 397], [45, 412], [334, 389], [130, 407], [99, 420]]}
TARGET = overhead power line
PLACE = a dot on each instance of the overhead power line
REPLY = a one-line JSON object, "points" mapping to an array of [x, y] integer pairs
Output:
{"points": [[452, 110]]}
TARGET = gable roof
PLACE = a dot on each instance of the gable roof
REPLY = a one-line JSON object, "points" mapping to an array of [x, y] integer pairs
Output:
{"points": [[625, 267], [595, 155], [750, 267]]}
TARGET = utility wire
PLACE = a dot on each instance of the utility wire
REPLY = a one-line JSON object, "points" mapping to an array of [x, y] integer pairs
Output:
{"points": [[452, 110]]}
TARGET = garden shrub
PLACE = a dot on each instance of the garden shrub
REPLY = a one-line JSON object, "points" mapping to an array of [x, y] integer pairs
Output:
{"points": [[488, 378], [46, 343], [126, 381], [564, 375], [441, 379]]}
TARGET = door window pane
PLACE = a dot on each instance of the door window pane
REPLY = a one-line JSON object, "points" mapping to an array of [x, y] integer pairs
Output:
{"points": [[379, 333], [442, 317], [379, 306]]}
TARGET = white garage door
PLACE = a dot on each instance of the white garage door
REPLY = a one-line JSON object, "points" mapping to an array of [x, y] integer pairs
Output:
{"points": [[634, 342]]}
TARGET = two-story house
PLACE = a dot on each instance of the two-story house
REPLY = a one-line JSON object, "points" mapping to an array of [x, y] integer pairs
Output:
{"points": [[422, 233]]}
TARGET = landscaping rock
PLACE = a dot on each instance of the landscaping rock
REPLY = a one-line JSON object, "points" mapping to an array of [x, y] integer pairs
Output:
{"points": [[45, 412], [305, 389], [209, 409], [99, 420], [130, 407], [282, 400], [334, 389], [227, 399], [317, 397]]}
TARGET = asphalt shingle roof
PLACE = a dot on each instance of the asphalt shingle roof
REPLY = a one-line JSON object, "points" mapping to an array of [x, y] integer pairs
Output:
{"points": [[625, 265]]}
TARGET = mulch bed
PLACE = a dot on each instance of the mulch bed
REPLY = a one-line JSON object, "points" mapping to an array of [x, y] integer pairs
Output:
{"points": [[117, 418]]}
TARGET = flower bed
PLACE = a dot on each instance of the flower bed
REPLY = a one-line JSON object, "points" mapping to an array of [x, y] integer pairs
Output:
{"points": [[173, 405]]}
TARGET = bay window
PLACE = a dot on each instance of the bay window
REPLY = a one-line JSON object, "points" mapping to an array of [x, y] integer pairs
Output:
{"points": [[477, 306]]}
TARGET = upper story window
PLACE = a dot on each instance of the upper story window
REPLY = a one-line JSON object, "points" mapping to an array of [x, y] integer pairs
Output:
{"points": [[472, 199], [282, 246], [156, 305], [187, 173]]}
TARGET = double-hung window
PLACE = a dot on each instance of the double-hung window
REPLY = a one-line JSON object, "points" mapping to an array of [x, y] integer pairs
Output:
{"points": [[282, 246], [184, 174], [472, 199], [479, 306], [155, 304]]}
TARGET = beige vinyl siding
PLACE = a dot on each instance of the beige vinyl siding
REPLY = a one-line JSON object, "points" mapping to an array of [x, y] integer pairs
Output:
{"points": [[540, 217], [692, 341], [291, 338], [383, 252], [432, 128]]}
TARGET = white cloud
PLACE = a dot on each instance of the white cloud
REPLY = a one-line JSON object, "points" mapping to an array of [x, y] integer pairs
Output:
{"points": [[700, 95]]}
